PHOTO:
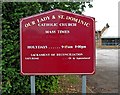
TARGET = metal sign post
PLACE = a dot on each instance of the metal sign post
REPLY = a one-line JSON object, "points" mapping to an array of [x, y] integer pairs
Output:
{"points": [[32, 82], [83, 84]]}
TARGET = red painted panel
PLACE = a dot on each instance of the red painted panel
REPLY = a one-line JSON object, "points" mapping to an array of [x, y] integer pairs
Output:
{"points": [[57, 42]]}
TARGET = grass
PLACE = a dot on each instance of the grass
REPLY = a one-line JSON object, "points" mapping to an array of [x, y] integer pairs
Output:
{"points": [[71, 84]]}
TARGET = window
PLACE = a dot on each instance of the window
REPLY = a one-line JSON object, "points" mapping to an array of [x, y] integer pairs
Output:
{"points": [[111, 41]]}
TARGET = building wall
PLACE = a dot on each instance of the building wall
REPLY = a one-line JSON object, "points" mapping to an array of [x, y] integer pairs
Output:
{"points": [[110, 43]]}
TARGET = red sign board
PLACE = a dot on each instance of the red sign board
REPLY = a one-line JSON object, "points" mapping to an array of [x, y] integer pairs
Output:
{"points": [[57, 42]]}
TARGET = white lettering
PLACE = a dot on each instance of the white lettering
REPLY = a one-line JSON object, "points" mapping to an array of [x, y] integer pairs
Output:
{"points": [[48, 24], [79, 46], [37, 47], [50, 32], [53, 17], [63, 31]]}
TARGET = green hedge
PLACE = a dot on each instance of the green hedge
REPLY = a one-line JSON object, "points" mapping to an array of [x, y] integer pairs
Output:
{"points": [[12, 81]]}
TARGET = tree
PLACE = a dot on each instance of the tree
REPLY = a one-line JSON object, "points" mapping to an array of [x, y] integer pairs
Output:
{"points": [[12, 81], [75, 7]]}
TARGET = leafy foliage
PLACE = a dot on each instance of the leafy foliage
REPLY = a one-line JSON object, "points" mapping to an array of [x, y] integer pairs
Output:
{"points": [[75, 7], [12, 81]]}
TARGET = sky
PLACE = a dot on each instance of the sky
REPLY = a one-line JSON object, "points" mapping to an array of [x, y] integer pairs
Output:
{"points": [[105, 11]]}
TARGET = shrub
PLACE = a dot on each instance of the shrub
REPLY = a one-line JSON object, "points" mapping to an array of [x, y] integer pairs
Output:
{"points": [[12, 81]]}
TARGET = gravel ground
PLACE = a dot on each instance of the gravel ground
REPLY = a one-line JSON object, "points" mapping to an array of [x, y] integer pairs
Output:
{"points": [[105, 80]]}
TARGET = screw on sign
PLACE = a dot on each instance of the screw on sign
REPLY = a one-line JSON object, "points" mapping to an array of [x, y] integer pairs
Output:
{"points": [[57, 42]]}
